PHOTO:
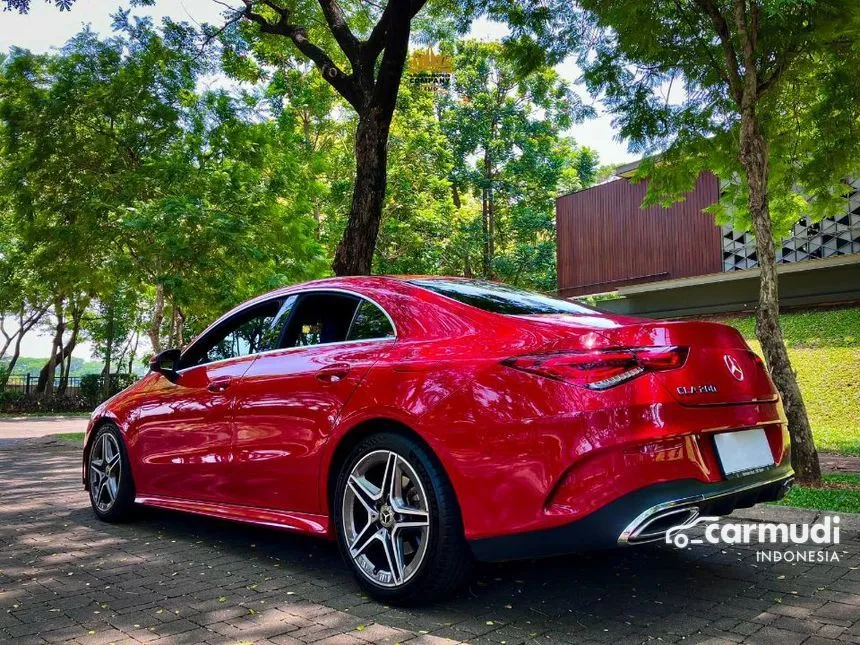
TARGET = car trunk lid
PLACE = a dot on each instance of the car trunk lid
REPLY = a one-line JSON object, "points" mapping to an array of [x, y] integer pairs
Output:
{"points": [[720, 369]]}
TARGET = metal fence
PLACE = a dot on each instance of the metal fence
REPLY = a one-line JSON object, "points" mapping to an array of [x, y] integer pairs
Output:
{"points": [[26, 383]]}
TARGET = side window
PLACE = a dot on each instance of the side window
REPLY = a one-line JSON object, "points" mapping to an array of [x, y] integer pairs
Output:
{"points": [[320, 318], [249, 332], [369, 322]]}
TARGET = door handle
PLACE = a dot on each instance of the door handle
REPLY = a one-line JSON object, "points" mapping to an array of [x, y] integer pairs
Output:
{"points": [[219, 384], [333, 373]]}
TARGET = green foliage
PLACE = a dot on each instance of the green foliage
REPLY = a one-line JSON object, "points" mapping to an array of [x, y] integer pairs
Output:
{"points": [[144, 181], [91, 386], [415, 233], [79, 367], [12, 402], [840, 493], [663, 72], [510, 162], [76, 437], [127, 189]]}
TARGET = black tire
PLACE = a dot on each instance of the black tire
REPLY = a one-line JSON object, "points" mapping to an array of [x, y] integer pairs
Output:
{"points": [[447, 562], [122, 504]]}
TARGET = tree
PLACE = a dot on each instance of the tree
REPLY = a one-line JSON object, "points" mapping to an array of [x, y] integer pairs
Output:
{"points": [[360, 49], [23, 302], [504, 128], [143, 181], [376, 59], [768, 97]]}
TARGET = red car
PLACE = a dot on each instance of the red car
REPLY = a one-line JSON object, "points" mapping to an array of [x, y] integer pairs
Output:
{"points": [[427, 422]]}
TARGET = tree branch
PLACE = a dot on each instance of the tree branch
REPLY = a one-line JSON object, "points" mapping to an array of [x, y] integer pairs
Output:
{"points": [[706, 48], [779, 68], [722, 29], [376, 41], [340, 29], [340, 81], [394, 57]]}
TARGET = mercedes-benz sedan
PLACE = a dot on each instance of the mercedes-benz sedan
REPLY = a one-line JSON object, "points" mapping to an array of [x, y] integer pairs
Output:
{"points": [[424, 423]]}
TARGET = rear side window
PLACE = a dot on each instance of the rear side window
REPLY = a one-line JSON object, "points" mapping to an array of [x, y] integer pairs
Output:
{"points": [[321, 318], [500, 298], [370, 322]]}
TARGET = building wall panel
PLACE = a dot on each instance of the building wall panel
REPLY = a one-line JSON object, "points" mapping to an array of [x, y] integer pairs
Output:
{"points": [[606, 240]]}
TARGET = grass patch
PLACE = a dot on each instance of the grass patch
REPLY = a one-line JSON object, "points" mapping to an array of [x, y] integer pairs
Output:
{"points": [[70, 436], [839, 493], [817, 328], [824, 347]]}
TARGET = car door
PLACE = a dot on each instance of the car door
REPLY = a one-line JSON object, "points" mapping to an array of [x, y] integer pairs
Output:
{"points": [[289, 400], [184, 431]]}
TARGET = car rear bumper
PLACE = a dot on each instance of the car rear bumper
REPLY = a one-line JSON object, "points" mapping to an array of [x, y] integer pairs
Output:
{"points": [[641, 516]]}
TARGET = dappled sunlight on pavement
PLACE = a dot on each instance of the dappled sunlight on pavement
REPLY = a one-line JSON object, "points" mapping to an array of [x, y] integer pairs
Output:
{"points": [[175, 578]]}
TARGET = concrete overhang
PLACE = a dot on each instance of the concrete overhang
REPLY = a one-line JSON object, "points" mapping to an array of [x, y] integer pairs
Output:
{"points": [[830, 281]]}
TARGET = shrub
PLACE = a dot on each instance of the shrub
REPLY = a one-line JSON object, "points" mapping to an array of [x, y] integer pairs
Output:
{"points": [[91, 387], [19, 403]]}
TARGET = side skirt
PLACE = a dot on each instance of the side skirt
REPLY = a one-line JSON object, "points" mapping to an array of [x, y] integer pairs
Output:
{"points": [[298, 522]]}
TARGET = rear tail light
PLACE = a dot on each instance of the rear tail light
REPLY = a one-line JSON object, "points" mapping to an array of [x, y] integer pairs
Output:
{"points": [[602, 369]]}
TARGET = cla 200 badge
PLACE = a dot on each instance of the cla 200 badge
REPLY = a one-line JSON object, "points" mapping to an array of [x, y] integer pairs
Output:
{"points": [[697, 389]]}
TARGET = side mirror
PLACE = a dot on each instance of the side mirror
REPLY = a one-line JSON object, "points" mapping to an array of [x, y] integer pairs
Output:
{"points": [[166, 363]]}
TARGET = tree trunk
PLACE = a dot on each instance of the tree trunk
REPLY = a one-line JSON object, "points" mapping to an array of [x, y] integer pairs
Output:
{"points": [[16, 353], [132, 354], [354, 254], [154, 331], [108, 351], [65, 357], [488, 223], [25, 324], [754, 158], [8, 337], [178, 326], [46, 376], [485, 233]]}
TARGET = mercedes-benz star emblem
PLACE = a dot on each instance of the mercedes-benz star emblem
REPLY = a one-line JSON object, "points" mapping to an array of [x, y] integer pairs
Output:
{"points": [[734, 369], [386, 516]]}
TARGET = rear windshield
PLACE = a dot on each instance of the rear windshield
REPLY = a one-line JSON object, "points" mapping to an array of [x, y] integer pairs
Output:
{"points": [[500, 298]]}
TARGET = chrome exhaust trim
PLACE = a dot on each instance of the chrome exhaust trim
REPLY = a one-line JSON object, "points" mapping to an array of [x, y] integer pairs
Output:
{"points": [[655, 527], [635, 533]]}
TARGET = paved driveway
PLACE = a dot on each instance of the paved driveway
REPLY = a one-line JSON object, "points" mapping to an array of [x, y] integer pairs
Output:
{"points": [[28, 427], [178, 579]]}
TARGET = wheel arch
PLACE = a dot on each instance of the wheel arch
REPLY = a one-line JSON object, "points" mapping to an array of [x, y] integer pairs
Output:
{"points": [[354, 435]]}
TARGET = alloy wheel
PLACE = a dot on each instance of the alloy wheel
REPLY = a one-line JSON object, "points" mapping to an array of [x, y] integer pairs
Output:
{"points": [[105, 471], [386, 518]]}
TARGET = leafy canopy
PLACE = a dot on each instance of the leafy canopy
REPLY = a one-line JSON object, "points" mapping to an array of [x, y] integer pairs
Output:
{"points": [[671, 82]]}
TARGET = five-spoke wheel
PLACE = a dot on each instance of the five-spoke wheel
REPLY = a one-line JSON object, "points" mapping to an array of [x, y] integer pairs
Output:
{"points": [[386, 518], [398, 522], [105, 471], [109, 475]]}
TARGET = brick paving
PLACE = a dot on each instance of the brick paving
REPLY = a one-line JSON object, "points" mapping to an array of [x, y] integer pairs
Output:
{"points": [[172, 578]]}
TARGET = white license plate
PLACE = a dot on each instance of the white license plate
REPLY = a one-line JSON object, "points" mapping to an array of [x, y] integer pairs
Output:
{"points": [[743, 451]]}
